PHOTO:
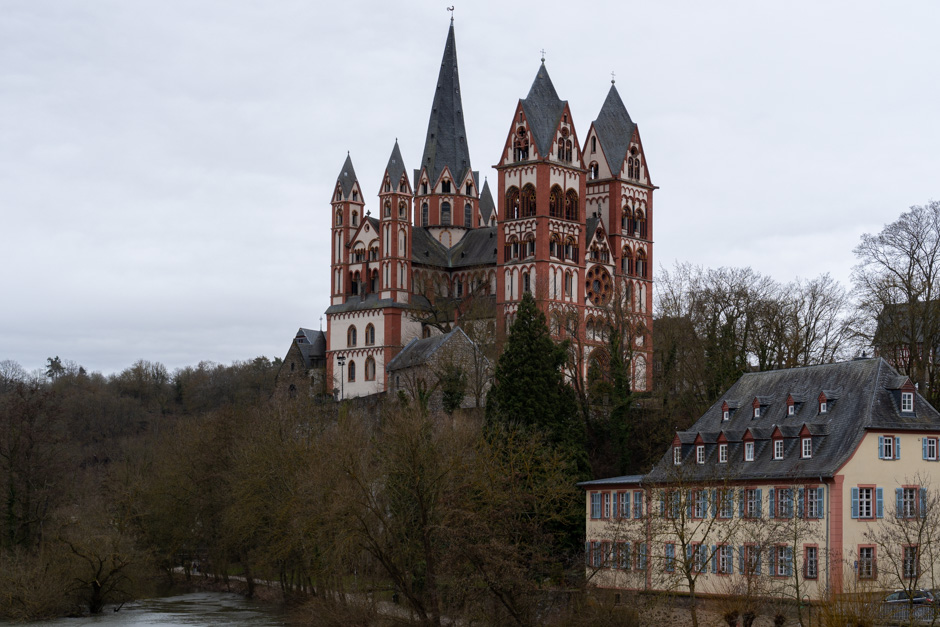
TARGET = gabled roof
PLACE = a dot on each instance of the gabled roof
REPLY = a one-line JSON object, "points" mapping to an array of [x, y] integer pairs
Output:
{"points": [[347, 176], [396, 165], [312, 345], [419, 351], [487, 206], [614, 129], [864, 403], [446, 141], [543, 109]]}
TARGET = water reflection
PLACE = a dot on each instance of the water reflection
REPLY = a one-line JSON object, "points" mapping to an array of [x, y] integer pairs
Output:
{"points": [[193, 610]]}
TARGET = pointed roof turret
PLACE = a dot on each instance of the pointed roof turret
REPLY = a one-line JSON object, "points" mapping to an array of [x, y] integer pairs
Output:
{"points": [[396, 165], [543, 109], [446, 142], [615, 129], [347, 177], [487, 206]]}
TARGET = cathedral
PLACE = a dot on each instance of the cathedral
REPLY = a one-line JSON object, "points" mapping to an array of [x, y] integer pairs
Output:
{"points": [[572, 224]]}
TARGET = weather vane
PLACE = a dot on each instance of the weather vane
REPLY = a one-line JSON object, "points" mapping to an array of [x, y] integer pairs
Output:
{"points": [[543, 55], [451, 9], [612, 76]]}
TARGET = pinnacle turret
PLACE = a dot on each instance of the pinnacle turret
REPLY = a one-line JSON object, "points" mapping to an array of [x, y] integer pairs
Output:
{"points": [[614, 129], [347, 177], [543, 109]]}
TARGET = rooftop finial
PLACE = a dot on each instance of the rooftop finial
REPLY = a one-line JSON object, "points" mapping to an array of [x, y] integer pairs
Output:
{"points": [[451, 9], [612, 75], [543, 55]]}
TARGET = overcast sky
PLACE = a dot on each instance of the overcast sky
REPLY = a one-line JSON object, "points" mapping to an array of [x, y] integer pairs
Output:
{"points": [[166, 166]]}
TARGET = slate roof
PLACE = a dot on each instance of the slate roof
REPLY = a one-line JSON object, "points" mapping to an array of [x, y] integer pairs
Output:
{"points": [[628, 479], [614, 129], [347, 176], [419, 351], [369, 301], [487, 206], [312, 345], [867, 399], [543, 109], [396, 166], [446, 141], [477, 247]]}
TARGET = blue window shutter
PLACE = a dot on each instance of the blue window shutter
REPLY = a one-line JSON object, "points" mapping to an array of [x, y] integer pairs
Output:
{"points": [[741, 559], [614, 512], [897, 447], [854, 502], [742, 496], [714, 503], [714, 559], [587, 553], [688, 552], [881, 447], [898, 502], [770, 501], [642, 561], [688, 504], [923, 503], [731, 560], [757, 570], [625, 504], [923, 447], [760, 503], [800, 495], [879, 492], [790, 499], [662, 504], [773, 561], [819, 501], [627, 557], [789, 565]]}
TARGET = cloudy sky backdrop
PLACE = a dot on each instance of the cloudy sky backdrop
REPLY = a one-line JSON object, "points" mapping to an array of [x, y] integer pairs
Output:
{"points": [[166, 166]]}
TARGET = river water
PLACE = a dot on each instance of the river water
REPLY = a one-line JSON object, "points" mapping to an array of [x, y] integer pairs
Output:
{"points": [[197, 609]]}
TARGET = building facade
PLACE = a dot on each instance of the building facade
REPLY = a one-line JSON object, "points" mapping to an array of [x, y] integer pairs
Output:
{"points": [[572, 223], [807, 481]]}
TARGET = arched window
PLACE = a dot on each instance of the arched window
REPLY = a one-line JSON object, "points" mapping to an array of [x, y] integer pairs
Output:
{"points": [[641, 267], [593, 171], [556, 325], [445, 213], [468, 215], [594, 252], [511, 250], [512, 203], [388, 186], [355, 218], [424, 214], [569, 282], [424, 188], [374, 281], [402, 209], [445, 187], [528, 201], [594, 145], [554, 245], [403, 186], [374, 253], [568, 151], [626, 261], [426, 332], [561, 149], [640, 224], [351, 335], [521, 145], [370, 369], [525, 282], [388, 209], [529, 245], [339, 192], [354, 280], [571, 205], [555, 202], [571, 248], [402, 244], [339, 217], [629, 222], [370, 335], [351, 370], [356, 196], [589, 329]]}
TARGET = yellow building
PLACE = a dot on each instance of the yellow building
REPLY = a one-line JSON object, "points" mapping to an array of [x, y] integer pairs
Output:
{"points": [[795, 482]]}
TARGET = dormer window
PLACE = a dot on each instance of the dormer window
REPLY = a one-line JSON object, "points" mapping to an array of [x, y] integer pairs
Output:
{"points": [[757, 412], [822, 407], [726, 415], [907, 402], [424, 188], [722, 453], [778, 449], [700, 454], [791, 409], [469, 189], [807, 448], [677, 455], [445, 187], [748, 451]]}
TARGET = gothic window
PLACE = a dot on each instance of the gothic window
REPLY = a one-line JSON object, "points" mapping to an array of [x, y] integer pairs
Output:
{"points": [[402, 208], [627, 261], [512, 203], [467, 215], [445, 213], [352, 371], [521, 144], [595, 171], [529, 245], [355, 218], [525, 282], [555, 201], [351, 335], [388, 209], [469, 189], [424, 214], [370, 369], [370, 335], [640, 224], [628, 223], [528, 201], [374, 281], [424, 188], [339, 193], [426, 331], [599, 285], [356, 196], [641, 268], [339, 217], [374, 253], [403, 187], [571, 205], [445, 187], [595, 252], [388, 186], [561, 150], [512, 248], [554, 245], [354, 283], [569, 281], [568, 151], [571, 249]]}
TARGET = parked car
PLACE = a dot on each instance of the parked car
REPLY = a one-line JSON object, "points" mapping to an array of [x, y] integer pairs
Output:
{"points": [[919, 597]]}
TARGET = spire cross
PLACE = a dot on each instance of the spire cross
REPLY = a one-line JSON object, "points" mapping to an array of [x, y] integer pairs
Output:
{"points": [[543, 55], [321, 323], [451, 9], [612, 76]]}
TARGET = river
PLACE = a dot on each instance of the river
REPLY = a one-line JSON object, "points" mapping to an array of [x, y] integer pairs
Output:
{"points": [[197, 609]]}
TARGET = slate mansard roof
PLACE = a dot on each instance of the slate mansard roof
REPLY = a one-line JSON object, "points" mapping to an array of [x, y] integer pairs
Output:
{"points": [[860, 395]]}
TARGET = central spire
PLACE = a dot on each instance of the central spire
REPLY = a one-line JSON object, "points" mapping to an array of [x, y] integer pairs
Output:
{"points": [[446, 142]]}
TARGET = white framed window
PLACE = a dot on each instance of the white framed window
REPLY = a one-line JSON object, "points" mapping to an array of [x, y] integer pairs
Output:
{"points": [[726, 506], [783, 561], [911, 565], [889, 447], [907, 402], [822, 407], [606, 504], [700, 454], [752, 503], [725, 561], [930, 448], [677, 455], [596, 505], [701, 504], [722, 453], [811, 569], [791, 409], [757, 412], [909, 502], [778, 449], [814, 503], [807, 449], [866, 562], [748, 451], [865, 503], [726, 415]]}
